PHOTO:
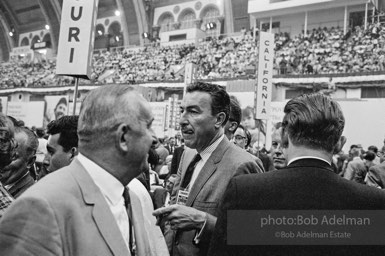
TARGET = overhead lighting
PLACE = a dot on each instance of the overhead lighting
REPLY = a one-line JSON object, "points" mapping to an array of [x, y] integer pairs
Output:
{"points": [[10, 33], [117, 13], [100, 32], [211, 25], [47, 27], [117, 38]]}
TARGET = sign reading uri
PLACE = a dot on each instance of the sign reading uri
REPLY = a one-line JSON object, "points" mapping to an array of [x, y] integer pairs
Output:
{"points": [[76, 38]]}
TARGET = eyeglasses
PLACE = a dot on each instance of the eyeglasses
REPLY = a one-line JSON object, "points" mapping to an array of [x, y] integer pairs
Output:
{"points": [[239, 137]]}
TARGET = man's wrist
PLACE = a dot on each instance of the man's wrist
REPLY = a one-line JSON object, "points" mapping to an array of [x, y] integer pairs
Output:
{"points": [[202, 221]]}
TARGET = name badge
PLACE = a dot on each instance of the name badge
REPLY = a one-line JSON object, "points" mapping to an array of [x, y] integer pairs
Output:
{"points": [[182, 197]]}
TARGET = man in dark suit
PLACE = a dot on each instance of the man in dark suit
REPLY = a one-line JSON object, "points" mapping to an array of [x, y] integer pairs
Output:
{"points": [[83, 208], [16, 176], [312, 129], [208, 163], [376, 174], [171, 146], [176, 158]]}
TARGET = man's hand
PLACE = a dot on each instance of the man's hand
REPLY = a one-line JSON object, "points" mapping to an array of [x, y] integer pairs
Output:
{"points": [[181, 217]]}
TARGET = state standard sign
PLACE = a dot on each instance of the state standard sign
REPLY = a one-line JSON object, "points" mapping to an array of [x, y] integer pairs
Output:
{"points": [[76, 38], [265, 75]]}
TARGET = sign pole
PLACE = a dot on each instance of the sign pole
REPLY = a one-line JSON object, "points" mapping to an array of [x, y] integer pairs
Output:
{"points": [[75, 95]]}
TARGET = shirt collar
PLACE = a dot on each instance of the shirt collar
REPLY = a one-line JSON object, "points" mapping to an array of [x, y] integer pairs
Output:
{"points": [[206, 153], [308, 157], [110, 187]]}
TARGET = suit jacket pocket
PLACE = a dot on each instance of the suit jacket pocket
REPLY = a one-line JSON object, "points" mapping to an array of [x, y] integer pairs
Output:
{"points": [[206, 206]]}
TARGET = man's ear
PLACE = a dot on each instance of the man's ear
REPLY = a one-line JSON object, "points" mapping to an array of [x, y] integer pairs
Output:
{"points": [[74, 152], [221, 117], [31, 161], [340, 144], [122, 137], [233, 126]]}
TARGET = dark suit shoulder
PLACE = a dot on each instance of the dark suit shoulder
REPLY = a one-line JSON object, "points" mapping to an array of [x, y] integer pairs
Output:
{"points": [[305, 188]]}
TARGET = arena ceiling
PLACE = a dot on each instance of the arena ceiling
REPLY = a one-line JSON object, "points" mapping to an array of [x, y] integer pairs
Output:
{"points": [[22, 16]]}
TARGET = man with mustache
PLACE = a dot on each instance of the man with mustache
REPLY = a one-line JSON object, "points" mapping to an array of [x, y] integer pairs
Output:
{"points": [[208, 163]]}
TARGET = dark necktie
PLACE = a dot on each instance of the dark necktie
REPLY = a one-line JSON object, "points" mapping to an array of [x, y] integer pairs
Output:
{"points": [[190, 171], [127, 204]]}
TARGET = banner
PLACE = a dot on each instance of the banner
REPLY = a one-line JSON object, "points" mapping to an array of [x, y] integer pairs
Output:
{"points": [[159, 111], [76, 38], [265, 75], [30, 112]]}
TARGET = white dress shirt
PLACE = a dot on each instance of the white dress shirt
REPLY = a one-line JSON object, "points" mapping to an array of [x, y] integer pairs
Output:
{"points": [[112, 191], [205, 155]]}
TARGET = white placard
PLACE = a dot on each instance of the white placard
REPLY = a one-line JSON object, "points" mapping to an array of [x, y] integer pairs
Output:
{"points": [[76, 39], [32, 113], [3, 104], [265, 76]]}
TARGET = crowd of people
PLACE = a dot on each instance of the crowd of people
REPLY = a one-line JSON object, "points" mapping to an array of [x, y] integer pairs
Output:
{"points": [[106, 185], [320, 51]]}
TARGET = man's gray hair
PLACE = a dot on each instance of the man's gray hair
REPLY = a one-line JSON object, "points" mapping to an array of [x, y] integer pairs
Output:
{"points": [[102, 110]]}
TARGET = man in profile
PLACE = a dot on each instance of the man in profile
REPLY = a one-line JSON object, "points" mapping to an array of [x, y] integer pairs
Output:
{"points": [[16, 176], [8, 147], [277, 154], [209, 161], [62, 144], [312, 129], [84, 208]]}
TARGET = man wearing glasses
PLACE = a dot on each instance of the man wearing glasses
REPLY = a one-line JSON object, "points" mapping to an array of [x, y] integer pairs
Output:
{"points": [[7, 151]]}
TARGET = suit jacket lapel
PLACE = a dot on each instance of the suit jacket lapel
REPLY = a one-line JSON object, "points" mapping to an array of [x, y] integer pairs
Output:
{"points": [[207, 170], [101, 213]]}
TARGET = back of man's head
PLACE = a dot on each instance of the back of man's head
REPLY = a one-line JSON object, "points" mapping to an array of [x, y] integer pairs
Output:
{"points": [[374, 149], [314, 121], [102, 110], [66, 126], [32, 142], [220, 99], [369, 155]]}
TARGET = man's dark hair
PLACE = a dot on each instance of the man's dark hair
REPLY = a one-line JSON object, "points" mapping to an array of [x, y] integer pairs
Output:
{"points": [[369, 155], [313, 120], [247, 133], [16, 122], [220, 99], [235, 110], [67, 127], [373, 149]]}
